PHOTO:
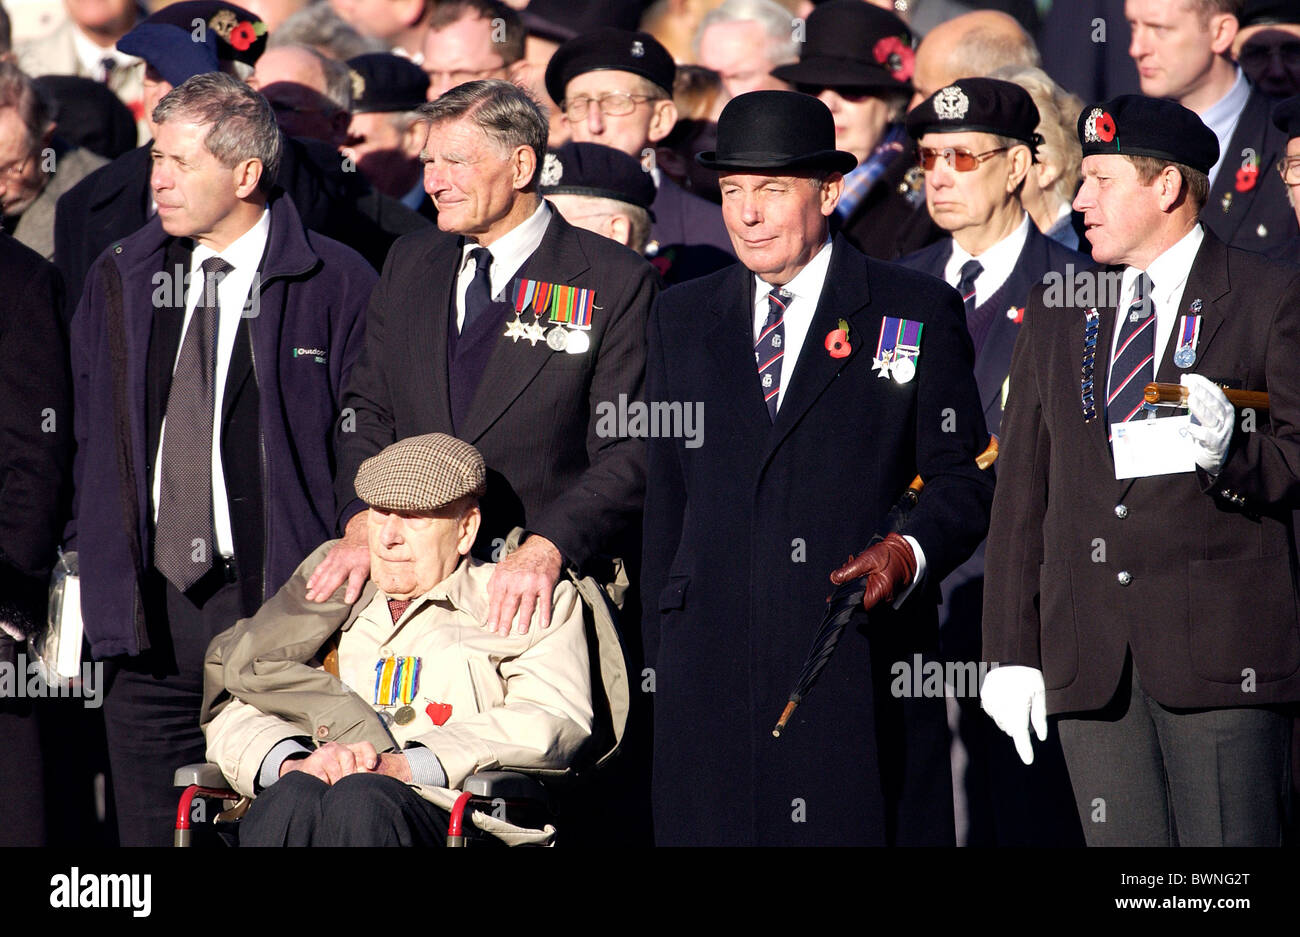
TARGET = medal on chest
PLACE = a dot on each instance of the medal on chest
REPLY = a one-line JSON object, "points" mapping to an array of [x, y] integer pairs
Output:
{"points": [[566, 309], [397, 680]]}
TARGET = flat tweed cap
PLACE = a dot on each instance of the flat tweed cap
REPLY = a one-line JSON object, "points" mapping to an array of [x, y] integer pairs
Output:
{"points": [[421, 473]]}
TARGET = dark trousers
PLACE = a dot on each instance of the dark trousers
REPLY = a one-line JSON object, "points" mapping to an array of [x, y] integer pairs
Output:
{"points": [[359, 810], [1147, 775], [151, 710], [22, 787]]}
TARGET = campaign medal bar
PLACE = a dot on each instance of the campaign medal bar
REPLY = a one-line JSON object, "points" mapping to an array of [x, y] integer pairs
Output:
{"points": [[397, 680]]}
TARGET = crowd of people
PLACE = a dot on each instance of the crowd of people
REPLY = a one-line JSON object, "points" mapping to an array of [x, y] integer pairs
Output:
{"points": [[378, 361]]}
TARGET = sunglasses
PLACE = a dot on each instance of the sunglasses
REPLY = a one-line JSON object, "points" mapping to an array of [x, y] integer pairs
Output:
{"points": [[958, 157]]}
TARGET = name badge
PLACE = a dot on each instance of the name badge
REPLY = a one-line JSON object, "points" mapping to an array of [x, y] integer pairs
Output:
{"points": [[1153, 447]]}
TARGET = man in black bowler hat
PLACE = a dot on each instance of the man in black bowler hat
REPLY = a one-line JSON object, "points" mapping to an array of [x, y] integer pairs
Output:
{"points": [[1141, 582], [977, 141], [827, 381], [616, 88]]}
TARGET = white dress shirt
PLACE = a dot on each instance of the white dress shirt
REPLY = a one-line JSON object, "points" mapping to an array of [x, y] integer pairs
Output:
{"points": [[1168, 274], [998, 262], [806, 287], [508, 254], [245, 256], [91, 56]]}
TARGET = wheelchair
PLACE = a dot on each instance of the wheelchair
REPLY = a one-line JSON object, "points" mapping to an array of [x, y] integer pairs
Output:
{"points": [[485, 810]]}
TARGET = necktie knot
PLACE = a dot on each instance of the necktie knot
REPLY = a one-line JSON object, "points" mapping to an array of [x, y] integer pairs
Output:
{"points": [[969, 273], [1142, 304], [214, 271], [482, 258]]}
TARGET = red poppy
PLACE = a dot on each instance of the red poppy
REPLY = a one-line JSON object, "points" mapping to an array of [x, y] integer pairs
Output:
{"points": [[1246, 178], [439, 712], [243, 36], [896, 56], [837, 343], [1105, 127], [1016, 314], [662, 264]]}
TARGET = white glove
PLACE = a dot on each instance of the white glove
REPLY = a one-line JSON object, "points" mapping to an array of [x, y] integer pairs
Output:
{"points": [[1015, 698], [1212, 421]]}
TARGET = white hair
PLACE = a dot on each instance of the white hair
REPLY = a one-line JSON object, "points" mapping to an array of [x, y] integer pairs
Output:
{"points": [[775, 19]]}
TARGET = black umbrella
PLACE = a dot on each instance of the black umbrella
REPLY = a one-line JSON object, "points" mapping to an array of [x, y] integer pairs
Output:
{"points": [[848, 596]]}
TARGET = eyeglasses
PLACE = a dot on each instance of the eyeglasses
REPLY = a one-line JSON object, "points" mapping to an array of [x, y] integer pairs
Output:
{"points": [[15, 169], [958, 157], [614, 104], [1288, 168]]}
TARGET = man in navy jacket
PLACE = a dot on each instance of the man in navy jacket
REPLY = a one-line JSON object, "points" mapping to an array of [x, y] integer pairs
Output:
{"points": [[209, 352]]}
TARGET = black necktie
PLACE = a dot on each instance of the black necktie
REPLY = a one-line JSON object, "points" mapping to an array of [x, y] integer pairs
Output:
{"points": [[107, 63], [184, 543], [970, 272], [770, 348], [478, 297], [1133, 364]]}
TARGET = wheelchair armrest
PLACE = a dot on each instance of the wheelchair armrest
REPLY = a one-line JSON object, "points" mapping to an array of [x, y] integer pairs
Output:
{"points": [[204, 775], [506, 784]]}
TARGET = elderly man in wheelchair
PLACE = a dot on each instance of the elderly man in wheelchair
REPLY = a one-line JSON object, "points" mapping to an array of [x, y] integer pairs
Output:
{"points": [[352, 724]]}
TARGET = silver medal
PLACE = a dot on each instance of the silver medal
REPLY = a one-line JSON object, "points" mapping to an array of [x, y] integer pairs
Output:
{"points": [[578, 342], [904, 370], [557, 339]]}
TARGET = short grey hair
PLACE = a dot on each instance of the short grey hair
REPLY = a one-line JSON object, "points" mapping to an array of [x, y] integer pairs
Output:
{"points": [[318, 26], [507, 114], [338, 79], [776, 20], [34, 107], [240, 121]]}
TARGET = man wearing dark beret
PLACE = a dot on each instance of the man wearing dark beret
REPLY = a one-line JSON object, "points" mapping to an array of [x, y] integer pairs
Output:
{"points": [[1181, 51], [1267, 45], [1141, 582], [977, 143], [616, 87], [601, 189], [385, 135], [827, 381], [304, 711]]}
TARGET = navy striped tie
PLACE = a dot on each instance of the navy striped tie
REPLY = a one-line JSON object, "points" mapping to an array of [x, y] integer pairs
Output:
{"points": [[1132, 366], [970, 272], [769, 350]]}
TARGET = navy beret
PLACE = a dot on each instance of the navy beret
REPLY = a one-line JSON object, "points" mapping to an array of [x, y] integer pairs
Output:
{"points": [[386, 83], [241, 35], [172, 51], [1134, 125], [610, 49], [600, 171], [983, 105]]}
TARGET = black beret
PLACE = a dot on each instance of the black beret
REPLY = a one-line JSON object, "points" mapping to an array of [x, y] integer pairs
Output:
{"points": [[241, 35], [610, 50], [600, 171], [1266, 12], [1286, 116], [1134, 125], [984, 105], [386, 83]]}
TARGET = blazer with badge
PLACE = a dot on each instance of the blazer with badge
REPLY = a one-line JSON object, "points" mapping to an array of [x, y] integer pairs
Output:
{"points": [[554, 466], [743, 527], [1195, 575], [1245, 209]]}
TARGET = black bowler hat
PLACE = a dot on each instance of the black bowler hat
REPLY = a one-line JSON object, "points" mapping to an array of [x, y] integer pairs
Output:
{"points": [[241, 35], [771, 130], [1269, 12], [595, 170], [1134, 125], [851, 44], [173, 52], [383, 83], [610, 50], [982, 105]]}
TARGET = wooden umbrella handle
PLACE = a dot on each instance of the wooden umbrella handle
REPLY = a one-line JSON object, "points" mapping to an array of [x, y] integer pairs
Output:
{"points": [[1177, 394]]}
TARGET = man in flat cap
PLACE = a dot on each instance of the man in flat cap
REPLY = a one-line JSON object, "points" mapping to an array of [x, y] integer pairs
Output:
{"points": [[977, 142], [616, 88], [386, 135], [1141, 581], [601, 189], [327, 712], [828, 381], [1181, 51], [858, 60]]}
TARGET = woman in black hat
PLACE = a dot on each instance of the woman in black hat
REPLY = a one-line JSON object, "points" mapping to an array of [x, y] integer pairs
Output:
{"points": [[857, 58]]}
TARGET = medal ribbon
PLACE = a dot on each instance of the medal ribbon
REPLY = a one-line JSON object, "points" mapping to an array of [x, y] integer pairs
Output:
{"points": [[1189, 331], [396, 680]]}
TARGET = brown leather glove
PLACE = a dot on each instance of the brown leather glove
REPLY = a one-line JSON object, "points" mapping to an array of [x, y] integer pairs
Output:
{"points": [[888, 565]]}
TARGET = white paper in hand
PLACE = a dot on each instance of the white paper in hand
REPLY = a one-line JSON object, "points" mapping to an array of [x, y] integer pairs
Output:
{"points": [[1153, 447]]}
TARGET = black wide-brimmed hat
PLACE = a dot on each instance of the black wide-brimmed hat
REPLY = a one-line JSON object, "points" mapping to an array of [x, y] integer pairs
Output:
{"points": [[851, 44], [770, 130]]}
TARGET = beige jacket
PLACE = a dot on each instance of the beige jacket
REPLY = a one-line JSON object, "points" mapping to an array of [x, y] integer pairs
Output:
{"points": [[519, 701], [36, 226]]}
